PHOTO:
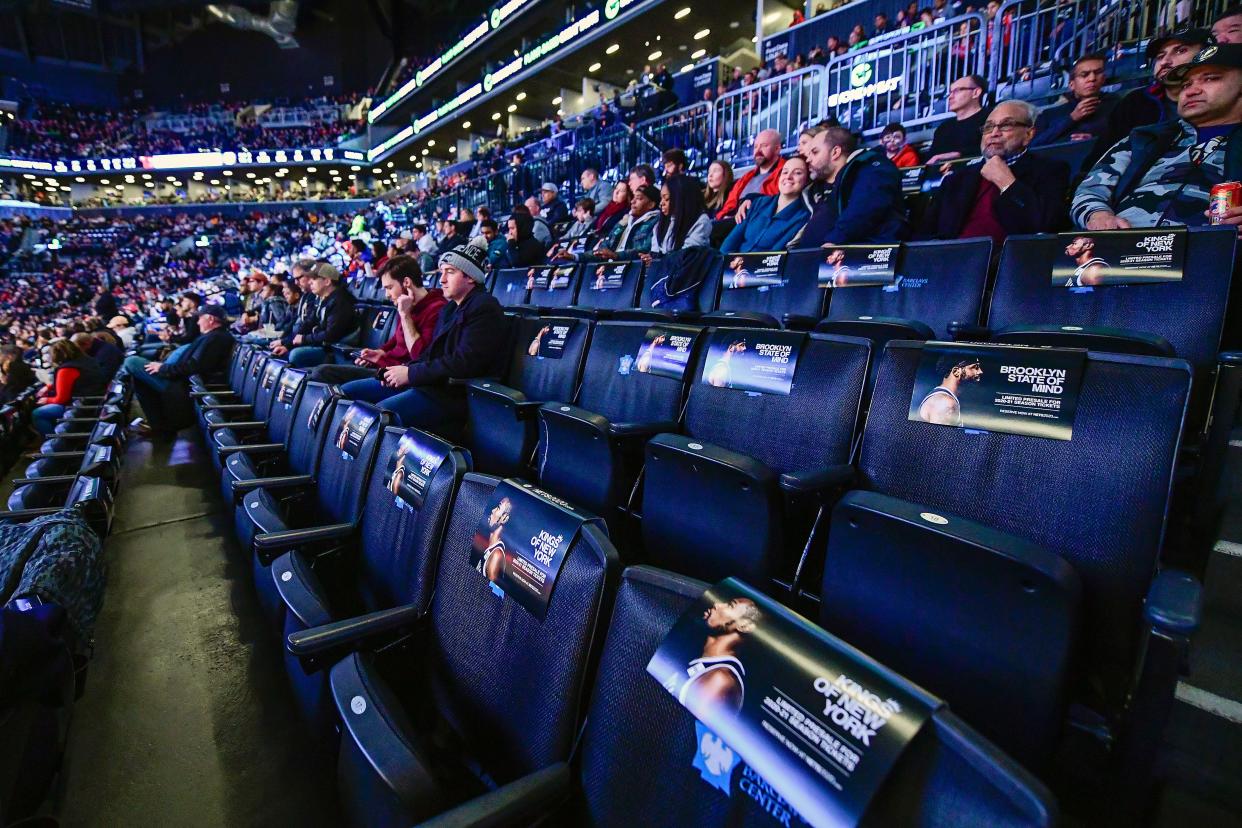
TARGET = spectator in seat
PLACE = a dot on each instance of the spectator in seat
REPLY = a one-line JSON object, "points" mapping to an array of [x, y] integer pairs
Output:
{"points": [[124, 329], [522, 248], [1007, 191], [539, 227], [302, 319], [683, 220], [100, 348], [469, 341], [893, 139], [674, 161], [762, 179], [422, 239], [334, 319], [1227, 28], [453, 236], [1155, 103], [865, 205], [633, 234], [163, 388], [552, 209], [640, 175], [496, 244], [418, 310], [1084, 116], [105, 303], [73, 374], [1161, 174], [15, 375], [594, 189], [719, 183], [293, 296], [958, 137], [616, 210], [773, 221]]}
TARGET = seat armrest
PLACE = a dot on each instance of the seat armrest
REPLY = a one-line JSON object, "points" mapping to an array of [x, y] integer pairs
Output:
{"points": [[968, 331], [81, 419], [209, 392], [464, 382], [630, 431], [268, 541], [521, 802], [22, 515], [1174, 602], [228, 407], [63, 455], [351, 631], [523, 409], [55, 478], [288, 481], [1116, 340], [252, 448], [1230, 358], [240, 425], [709, 453], [799, 322], [738, 319], [817, 481]]}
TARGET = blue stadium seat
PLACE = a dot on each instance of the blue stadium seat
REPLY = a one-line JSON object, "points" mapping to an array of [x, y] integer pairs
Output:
{"points": [[503, 417], [509, 286], [259, 439], [607, 287], [220, 406], [949, 775], [798, 303], [592, 451], [425, 729], [376, 324], [216, 418], [951, 529], [737, 491], [303, 511], [49, 480], [387, 565], [556, 288]]}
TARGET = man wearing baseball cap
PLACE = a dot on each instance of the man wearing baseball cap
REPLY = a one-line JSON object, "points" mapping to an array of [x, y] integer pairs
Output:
{"points": [[334, 319], [163, 388], [470, 340], [1161, 175], [552, 209], [1156, 102]]}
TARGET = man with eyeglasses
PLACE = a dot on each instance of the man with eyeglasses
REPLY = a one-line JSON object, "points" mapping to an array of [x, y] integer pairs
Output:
{"points": [[1007, 191], [1161, 175], [958, 137], [1084, 114]]}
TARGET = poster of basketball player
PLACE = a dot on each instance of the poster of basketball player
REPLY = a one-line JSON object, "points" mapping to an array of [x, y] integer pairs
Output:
{"points": [[810, 715], [353, 430], [537, 278], [412, 465], [521, 542], [754, 270], [607, 276], [858, 265], [762, 362], [1011, 388], [288, 388], [1119, 257], [665, 351], [549, 342]]}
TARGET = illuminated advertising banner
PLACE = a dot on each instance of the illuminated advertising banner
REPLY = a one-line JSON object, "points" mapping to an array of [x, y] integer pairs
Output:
{"points": [[186, 160]]}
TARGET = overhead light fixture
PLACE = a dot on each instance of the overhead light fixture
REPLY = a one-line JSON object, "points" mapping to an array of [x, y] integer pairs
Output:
{"points": [[226, 172], [511, 108], [251, 175], [355, 168], [521, 96], [556, 101], [215, 182], [655, 55], [702, 33], [148, 175], [310, 169], [377, 170], [687, 67], [465, 125], [698, 54], [101, 181], [495, 116], [594, 67], [452, 149], [426, 151], [613, 49], [432, 142], [80, 180], [682, 13]]}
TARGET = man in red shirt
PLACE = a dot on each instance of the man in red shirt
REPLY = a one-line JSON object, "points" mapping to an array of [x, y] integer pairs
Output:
{"points": [[762, 179], [417, 307]]}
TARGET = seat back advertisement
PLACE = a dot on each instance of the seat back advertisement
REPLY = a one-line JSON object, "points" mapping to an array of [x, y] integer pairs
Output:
{"points": [[1119, 257]]}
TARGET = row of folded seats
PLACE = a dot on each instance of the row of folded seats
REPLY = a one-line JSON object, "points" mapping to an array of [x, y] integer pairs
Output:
{"points": [[947, 291], [51, 588], [816, 486]]}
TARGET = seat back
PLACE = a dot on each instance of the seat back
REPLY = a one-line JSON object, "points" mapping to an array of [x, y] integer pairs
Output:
{"points": [[1098, 500], [509, 286], [1189, 314], [376, 325], [345, 459], [556, 286], [610, 285], [240, 365], [401, 536], [483, 648], [939, 282], [310, 424], [947, 776], [615, 388], [547, 374], [811, 427], [797, 293], [253, 378], [269, 384], [283, 412]]}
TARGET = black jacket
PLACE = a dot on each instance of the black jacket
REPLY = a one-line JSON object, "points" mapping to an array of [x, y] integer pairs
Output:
{"points": [[471, 340], [334, 319], [188, 333], [1034, 203], [527, 250], [865, 205], [301, 321], [554, 212], [1054, 123], [108, 356], [1139, 107], [105, 306], [90, 382], [208, 355]]}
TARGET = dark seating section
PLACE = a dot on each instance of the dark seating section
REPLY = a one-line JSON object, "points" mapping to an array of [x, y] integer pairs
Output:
{"points": [[607, 287], [796, 301]]}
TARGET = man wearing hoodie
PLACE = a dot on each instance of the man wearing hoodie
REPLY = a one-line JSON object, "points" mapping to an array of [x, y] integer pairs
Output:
{"points": [[522, 249]]}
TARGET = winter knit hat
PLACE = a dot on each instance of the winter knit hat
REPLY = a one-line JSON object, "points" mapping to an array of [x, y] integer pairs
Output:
{"points": [[470, 258]]}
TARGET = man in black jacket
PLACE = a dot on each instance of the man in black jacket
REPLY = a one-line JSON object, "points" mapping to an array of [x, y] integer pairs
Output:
{"points": [[334, 320], [864, 205], [1007, 191], [1085, 113], [471, 340], [163, 388]]}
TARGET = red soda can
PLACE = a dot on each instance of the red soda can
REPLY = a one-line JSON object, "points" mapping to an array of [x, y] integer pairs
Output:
{"points": [[1223, 198]]}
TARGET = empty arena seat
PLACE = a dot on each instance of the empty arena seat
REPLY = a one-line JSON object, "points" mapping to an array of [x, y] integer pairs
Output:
{"points": [[748, 472], [262, 440], [555, 287], [387, 565], [948, 775], [423, 727], [607, 287], [591, 451], [940, 285], [376, 324], [545, 364], [261, 395], [950, 529], [219, 406], [49, 480], [796, 302], [104, 431], [296, 457], [282, 513], [509, 286], [239, 364]]}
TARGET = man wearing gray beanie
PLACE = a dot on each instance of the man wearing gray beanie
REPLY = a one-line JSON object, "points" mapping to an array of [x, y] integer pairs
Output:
{"points": [[470, 341]]}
